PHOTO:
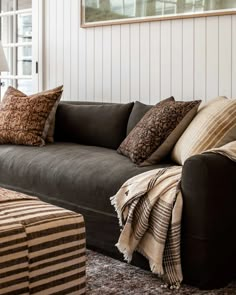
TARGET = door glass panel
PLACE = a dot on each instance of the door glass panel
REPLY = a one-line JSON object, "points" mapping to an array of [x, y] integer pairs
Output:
{"points": [[25, 85], [6, 5], [6, 29], [6, 83], [24, 4], [24, 28], [9, 56], [24, 60]]}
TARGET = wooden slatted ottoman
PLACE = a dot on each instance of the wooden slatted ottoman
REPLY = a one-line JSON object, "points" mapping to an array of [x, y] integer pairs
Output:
{"points": [[42, 247]]}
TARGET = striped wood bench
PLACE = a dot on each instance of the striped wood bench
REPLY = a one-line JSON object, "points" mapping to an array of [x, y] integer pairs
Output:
{"points": [[42, 247]]}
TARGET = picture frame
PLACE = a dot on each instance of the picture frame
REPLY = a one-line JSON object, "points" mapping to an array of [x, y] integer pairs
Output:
{"points": [[111, 12]]}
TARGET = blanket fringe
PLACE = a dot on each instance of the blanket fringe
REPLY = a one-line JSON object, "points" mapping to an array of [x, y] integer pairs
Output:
{"points": [[114, 203], [126, 252], [155, 268]]}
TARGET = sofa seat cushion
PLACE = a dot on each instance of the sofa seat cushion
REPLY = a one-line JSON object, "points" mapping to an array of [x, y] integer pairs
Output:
{"points": [[73, 173]]}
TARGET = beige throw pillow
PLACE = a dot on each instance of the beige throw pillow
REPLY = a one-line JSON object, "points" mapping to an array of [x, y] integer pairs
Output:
{"points": [[26, 119], [213, 126], [157, 132]]}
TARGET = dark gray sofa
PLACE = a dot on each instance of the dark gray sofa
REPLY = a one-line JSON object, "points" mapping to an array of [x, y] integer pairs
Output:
{"points": [[82, 169]]}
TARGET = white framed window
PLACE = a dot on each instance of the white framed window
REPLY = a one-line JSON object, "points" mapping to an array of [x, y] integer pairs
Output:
{"points": [[19, 33]]}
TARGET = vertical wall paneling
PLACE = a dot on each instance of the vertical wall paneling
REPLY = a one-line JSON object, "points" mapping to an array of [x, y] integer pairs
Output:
{"points": [[200, 58], [145, 63], [53, 44], [74, 24], [155, 61], [134, 62], [225, 56], [82, 64], [116, 65], [125, 63], [188, 61], [67, 49], [177, 59], [189, 58], [46, 63], [233, 38], [98, 71], [165, 59], [212, 57], [59, 44], [90, 51], [106, 64]]}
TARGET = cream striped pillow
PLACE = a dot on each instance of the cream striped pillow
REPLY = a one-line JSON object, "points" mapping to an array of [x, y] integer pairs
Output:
{"points": [[213, 126]]}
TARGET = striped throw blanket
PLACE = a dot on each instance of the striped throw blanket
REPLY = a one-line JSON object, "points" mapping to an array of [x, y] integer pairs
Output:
{"points": [[149, 208], [42, 247]]}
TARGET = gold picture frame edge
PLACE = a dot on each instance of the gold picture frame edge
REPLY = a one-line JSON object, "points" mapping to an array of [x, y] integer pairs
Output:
{"points": [[153, 18]]}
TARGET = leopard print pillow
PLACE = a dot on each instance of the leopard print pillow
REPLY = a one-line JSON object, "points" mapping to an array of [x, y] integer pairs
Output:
{"points": [[157, 132], [25, 119]]}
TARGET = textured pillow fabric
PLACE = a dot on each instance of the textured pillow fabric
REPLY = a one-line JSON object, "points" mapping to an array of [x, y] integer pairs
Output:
{"points": [[99, 125], [213, 126], [138, 111], [157, 132], [24, 119], [50, 122]]}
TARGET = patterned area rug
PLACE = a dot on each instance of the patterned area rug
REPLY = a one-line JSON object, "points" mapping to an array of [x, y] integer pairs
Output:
{"points": [[108, 276]]}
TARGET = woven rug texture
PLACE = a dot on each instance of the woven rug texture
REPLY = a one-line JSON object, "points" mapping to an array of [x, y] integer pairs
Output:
{"points": [[109, 276]]}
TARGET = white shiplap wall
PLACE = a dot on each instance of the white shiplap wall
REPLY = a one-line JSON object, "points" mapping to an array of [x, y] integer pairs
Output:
{"points": [[189, 58]]}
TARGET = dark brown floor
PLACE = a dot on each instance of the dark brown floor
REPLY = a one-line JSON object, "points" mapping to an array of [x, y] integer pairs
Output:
{"points": [[108, 276]]}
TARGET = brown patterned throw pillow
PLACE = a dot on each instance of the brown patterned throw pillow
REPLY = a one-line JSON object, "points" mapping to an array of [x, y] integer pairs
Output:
{"points": [[157, 132], [26, 119]]}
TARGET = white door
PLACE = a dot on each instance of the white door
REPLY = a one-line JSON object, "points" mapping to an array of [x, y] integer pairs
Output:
{"points": [[20, 33]]}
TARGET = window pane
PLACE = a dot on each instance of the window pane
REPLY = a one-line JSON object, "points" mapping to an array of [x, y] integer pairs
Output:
{"points": [[25, 86], [6, 82], [24, 4], [24, 60], [24, 28], [7, 29], [9, 56], [6, 5]]}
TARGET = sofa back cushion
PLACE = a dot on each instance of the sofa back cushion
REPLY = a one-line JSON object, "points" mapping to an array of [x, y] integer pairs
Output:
{"points": [[138, 111], [92, 124]]}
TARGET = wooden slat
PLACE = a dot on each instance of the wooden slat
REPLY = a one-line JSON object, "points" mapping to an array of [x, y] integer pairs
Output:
{"points": [[165, 59], [200, 59], [134, 62], [188, 66], [98, 71], [125, 63], [90, 50], [155, 62], [145, 63], [225, 56], [74, 20], [177, 60], [106, 64], [60, 44], [115, 56], [67, 50], [212, 57]]}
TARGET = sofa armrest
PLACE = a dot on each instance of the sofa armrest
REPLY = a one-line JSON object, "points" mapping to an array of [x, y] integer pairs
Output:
{"points": [[208, 240], [209, 193]]}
